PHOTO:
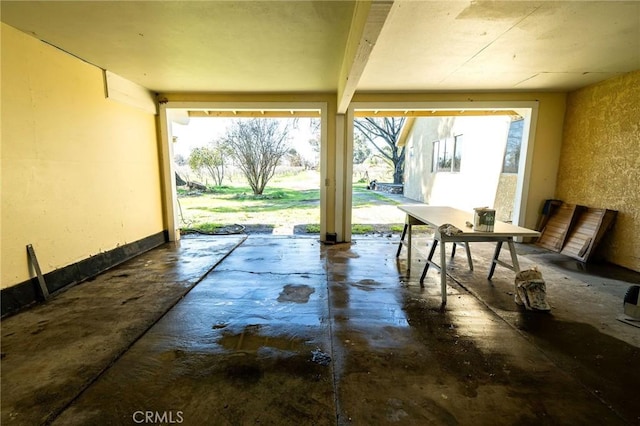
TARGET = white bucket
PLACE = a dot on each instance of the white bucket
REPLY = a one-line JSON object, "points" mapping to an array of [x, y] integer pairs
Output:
{"points": [[483, 219]]}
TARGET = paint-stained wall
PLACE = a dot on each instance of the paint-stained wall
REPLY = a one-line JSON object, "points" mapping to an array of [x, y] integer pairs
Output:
{"points": [[80, 173], [600, 160]]}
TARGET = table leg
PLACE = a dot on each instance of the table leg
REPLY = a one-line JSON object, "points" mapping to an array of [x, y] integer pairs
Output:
{"points": [[409, 247], [494, 261], [514, 256], [466, 246], [432, 250], [404, 233], [443, 273]]}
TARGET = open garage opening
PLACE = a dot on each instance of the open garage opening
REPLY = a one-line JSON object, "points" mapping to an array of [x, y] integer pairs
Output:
{"points": [[246, 170], [463, 155]]}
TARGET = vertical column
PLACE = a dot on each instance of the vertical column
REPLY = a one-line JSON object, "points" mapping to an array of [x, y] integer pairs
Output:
{"points": [[337, 175], [328, 173], [168, 176]]}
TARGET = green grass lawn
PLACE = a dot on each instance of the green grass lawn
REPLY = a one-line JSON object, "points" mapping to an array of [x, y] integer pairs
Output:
{"points": [[288, 202]]}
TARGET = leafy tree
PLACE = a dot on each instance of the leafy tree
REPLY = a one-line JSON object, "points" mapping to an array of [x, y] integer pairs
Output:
{"points": [[209, 159], [257, 145], [296, 159], [314, 143], [312, 160], [383, 133], [361, 150], [180, 160]]}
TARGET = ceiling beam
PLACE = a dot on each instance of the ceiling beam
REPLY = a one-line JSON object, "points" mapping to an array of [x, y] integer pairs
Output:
{"points": [[357, 113], [433, 113], [406, 130], [367, 22], [255, 113]]}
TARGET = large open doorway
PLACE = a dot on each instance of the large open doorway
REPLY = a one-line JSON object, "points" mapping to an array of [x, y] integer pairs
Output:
{"points": [[461, 154], [377, 175], [215, 186]]}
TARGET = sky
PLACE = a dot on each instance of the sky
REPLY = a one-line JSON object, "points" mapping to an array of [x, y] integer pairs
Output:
{"points": [[201, 130]]}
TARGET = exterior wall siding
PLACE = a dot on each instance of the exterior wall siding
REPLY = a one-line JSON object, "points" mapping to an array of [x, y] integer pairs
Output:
{"points": [[483, 143]]}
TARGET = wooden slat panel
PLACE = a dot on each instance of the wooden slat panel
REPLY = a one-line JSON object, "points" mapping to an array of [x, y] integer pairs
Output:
{"points": [[605, 226], [557, 228], [588, 230]]}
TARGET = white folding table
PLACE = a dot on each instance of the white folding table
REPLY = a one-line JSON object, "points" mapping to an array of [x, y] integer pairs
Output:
{"points": [[436, 216]]}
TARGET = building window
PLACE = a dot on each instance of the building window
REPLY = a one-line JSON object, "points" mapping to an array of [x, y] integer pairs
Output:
{"points": [[511, 161], [434, 156], [457, 153], [447, 155]]}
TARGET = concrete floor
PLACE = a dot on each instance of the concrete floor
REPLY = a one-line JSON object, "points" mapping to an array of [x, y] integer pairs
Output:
{"points": [[288, 331]]}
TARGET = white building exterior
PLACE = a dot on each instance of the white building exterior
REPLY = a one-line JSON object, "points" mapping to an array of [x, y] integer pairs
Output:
{"points": [[467, 170]]}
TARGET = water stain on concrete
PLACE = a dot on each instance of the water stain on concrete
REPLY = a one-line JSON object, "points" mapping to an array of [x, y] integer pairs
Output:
{"points": [[219, 324], [118, 276], [131, 299], [373, 347], [246, 373], [581, 350], [346, 255], [251, 340], [366, 284], [296, 293]]}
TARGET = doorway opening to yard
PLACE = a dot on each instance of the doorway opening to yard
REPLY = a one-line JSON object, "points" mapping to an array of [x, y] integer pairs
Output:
{"points": [[246, 170], [458, 155], [377, 175]]}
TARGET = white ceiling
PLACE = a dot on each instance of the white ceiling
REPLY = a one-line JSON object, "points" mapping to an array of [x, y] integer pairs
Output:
{"points": [[300, 46]]}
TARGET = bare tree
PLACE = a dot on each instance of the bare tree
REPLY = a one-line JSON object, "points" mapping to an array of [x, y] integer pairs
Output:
{"points": [[257, 145], [383, 133]]}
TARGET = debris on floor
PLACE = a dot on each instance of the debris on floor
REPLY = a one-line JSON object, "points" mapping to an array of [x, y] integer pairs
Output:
{"points": [[320, 357], [631, 307], [531, 290], [449, 230]]}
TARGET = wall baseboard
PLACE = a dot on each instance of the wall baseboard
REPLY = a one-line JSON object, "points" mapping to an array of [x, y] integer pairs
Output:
{"points": [[15, 298]]}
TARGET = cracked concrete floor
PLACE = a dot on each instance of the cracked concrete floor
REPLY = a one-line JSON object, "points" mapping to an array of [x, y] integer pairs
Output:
{"points": [[288, 331]]}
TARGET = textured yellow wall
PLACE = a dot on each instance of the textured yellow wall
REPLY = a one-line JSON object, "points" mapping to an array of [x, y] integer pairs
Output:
{"points": [[600, 160], [80, 173], [505, 195]]}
